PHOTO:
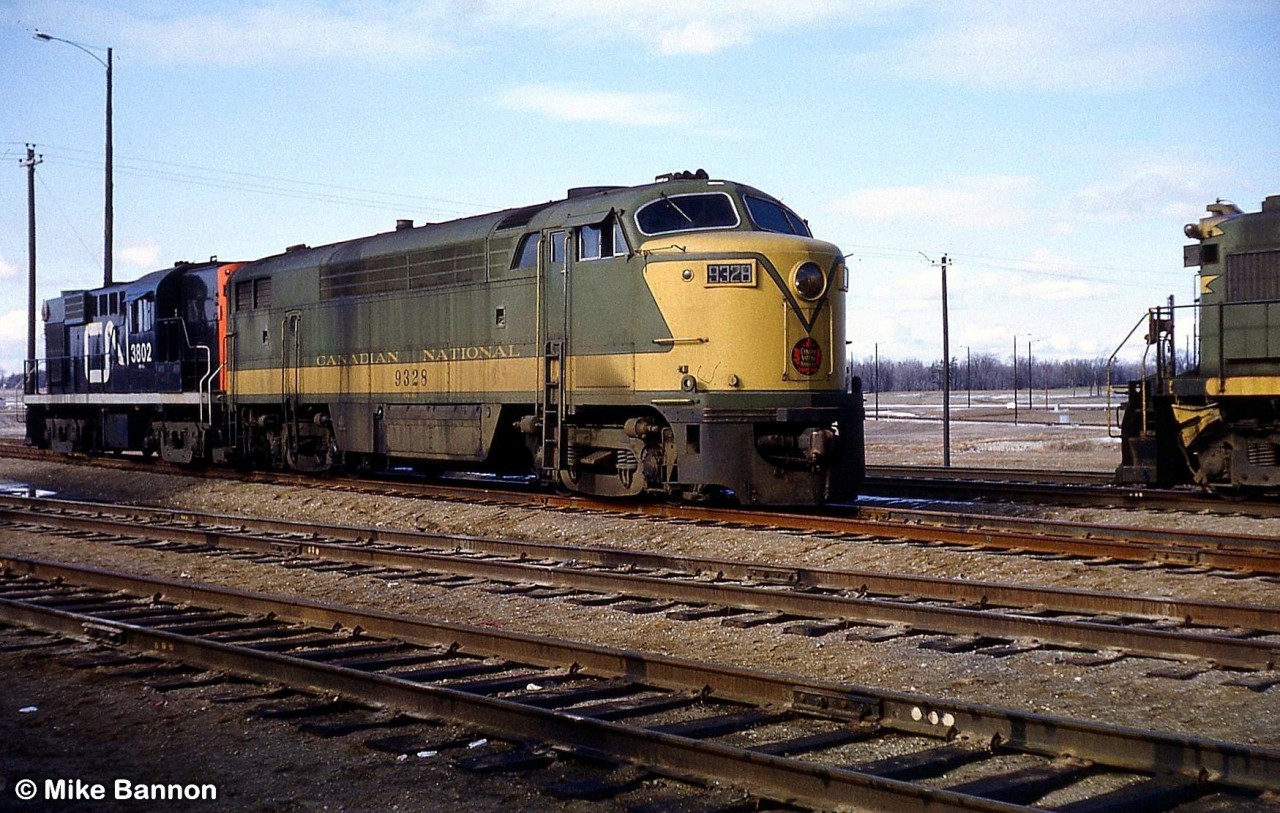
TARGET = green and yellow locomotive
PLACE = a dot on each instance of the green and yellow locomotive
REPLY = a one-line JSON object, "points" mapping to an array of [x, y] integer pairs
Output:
{"points": [[1217, 425], [681, 338]]}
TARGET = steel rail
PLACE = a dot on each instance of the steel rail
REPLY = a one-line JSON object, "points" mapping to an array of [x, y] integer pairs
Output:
{"points": [[977, 618], [210, 528], [1184, 548], [1067, 487], [1055, 488], [1187, 548], [784, 778], [1250, 553], [961, 474]]}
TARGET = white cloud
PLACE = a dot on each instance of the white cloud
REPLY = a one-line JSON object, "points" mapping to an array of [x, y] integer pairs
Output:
{"points": [[974, 202], [144, 256], [897, 302], [565, 103], [281, 31], [1044, 276], [7, 269], [1164, 187], [1091, 45], [13, 339], [703, 37], [1048, 289], [395, 30], [1096, 46], [679, 27], [13, 327]]}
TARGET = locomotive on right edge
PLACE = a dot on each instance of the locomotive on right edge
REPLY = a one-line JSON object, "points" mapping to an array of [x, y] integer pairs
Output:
{"points": [[1216, 425]]}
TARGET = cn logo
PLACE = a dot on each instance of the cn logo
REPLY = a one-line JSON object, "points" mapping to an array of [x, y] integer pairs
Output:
{"points": [[806, 356], [102, 350]]}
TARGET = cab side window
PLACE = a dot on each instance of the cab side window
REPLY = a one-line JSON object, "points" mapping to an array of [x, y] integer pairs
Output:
{"points": [[527, 253], [619, 239], [590, 240], [602, 240], [142, 314], [558, 239]]}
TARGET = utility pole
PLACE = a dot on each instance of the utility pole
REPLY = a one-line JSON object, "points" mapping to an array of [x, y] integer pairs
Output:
{"points": [[876, 384], [946, 373], [29, 371], [1031, 385], [1015, 379], [109, 212]]}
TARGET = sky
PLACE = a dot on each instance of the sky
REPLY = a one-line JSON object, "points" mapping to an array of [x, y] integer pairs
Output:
{"points": [[1052, 150]]}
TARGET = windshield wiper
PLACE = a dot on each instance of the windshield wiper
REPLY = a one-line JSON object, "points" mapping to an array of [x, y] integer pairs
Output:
{"points": [[680, 211]]}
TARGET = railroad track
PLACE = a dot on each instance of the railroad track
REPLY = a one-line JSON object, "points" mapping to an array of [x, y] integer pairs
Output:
{"points": [[816, 744], [915, 483], [1075, 488], [991, 475], [948, 615], [1236, 552]]}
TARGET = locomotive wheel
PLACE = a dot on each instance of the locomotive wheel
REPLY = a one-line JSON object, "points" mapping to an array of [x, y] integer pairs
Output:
{"points": [[311, 453], [602, 483]]}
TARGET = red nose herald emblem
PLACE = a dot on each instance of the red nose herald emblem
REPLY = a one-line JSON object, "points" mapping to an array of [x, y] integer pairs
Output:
{"points": [[806, 356]]}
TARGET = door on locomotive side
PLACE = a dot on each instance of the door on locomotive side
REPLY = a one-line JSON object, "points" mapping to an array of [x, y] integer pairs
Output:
{"points": [[291, 361], [602, 309], [553, 346], [554, 315]]}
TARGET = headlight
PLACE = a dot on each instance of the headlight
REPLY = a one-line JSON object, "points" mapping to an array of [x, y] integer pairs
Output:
{"points": [[809, 281]]}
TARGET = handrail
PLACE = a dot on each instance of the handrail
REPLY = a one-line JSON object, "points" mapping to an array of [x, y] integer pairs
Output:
{"points": [[208, 367], [207, 379], [683, 340], [1111, 428], [29, 377]]}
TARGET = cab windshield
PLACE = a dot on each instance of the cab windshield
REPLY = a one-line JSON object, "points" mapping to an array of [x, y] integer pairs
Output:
{"points": [[773, 216], [669, 213]]}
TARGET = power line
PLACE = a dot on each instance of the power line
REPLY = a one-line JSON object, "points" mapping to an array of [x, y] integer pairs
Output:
{"points": [[1099, 274], [211, 177], [988, 261], [57, 204], [253, 183]]}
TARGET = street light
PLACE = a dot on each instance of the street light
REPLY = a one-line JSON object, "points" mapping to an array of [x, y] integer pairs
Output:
{"points": [[108, 214]]}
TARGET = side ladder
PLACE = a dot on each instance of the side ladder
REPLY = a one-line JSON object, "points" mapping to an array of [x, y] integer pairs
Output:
{"points": [[552, 403]]}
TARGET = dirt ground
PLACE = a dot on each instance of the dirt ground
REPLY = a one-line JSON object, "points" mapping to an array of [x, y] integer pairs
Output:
{"points": [[987, 444], [98, 728], [1062, 430]]}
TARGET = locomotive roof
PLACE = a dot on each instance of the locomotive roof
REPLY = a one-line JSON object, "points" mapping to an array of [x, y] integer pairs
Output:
{"points": [[578, 207], [147, 282]]}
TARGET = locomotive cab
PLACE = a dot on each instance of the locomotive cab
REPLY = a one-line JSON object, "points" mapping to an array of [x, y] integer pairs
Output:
{"points": [[708, 359]]}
